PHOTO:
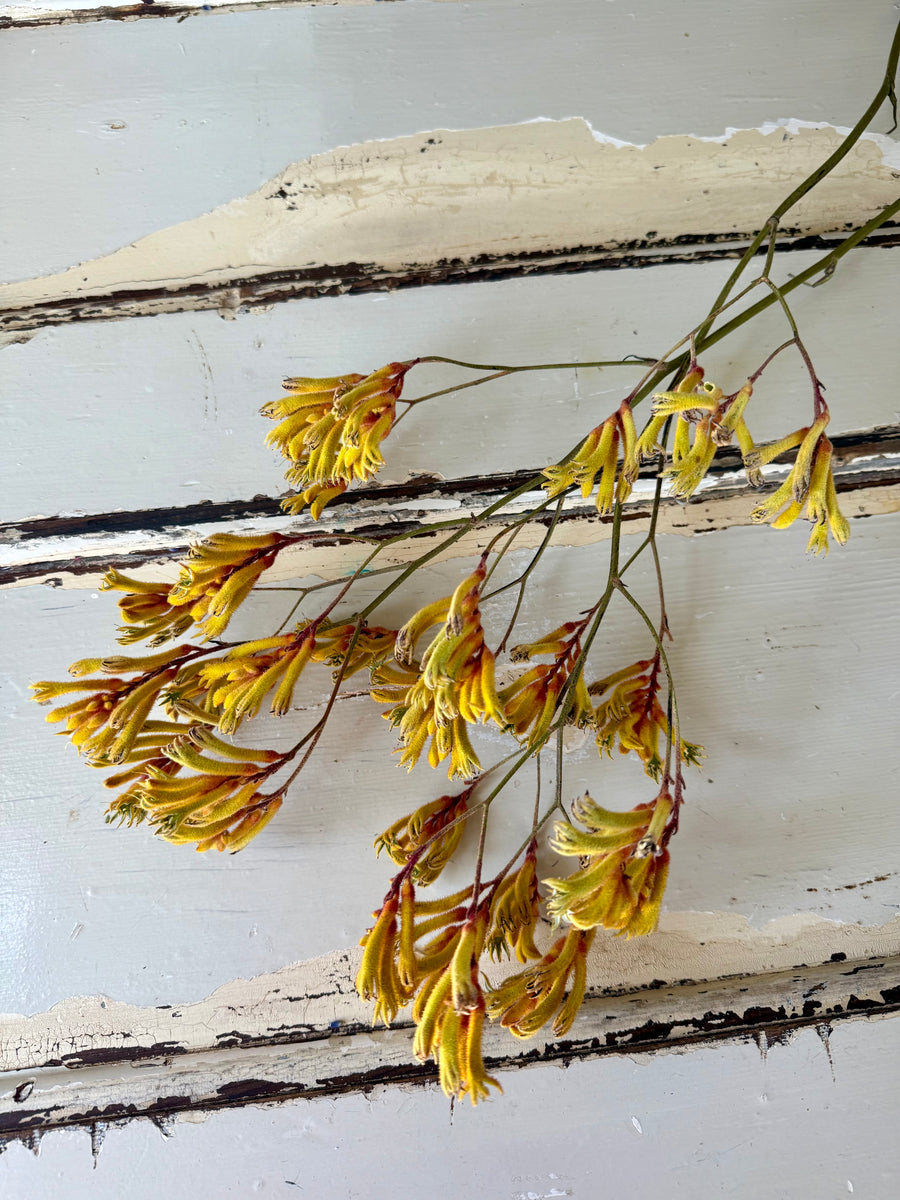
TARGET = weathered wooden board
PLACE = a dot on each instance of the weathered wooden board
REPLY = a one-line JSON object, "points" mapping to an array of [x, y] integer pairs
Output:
{"points": [[541, 197], [296, 1059], [784, 668], [163, 411], [128, 128], [812, 1118]]}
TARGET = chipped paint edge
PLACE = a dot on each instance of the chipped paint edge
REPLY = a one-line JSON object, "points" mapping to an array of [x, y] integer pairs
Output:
{"points": [[316, 997], [349, 1056], [439, 192]]}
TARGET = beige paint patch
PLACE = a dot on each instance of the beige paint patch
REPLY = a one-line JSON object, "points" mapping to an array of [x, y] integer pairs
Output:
{"points": [[545, 186], [316, 995]]}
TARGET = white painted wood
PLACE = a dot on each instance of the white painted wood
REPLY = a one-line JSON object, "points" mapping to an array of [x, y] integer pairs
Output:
{"points": [[129, 128], [772, 971], [80, 560], [355, 1058], [163, 411], [810, 1120], [785, 673]]}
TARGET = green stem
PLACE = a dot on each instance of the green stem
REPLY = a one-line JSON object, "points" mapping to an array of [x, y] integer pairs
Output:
{"points": [[886, 91]]}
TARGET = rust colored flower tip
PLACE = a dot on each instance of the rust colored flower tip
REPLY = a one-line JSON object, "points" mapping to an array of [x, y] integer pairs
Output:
{"points": [[220, 806], [430, 836], [331, 431], [514, 912], [631, 713], [810, 482], [454, 685], [599, 455], [530, 700], [551, 990], [621, 885]]}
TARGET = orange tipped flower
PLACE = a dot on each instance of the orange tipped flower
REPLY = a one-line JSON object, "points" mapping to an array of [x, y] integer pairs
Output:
{"points": [[622, 882], [599, 455], [530, 701], [631, 713], [810, 482], [552, 989], [331, 431]]}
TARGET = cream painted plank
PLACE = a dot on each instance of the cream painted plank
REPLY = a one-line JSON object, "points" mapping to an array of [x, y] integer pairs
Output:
{"points": [[162, 411], [127, 128], [341, 1059], [285, 1024], [809, 1119], [789, 686], [522, 198]]}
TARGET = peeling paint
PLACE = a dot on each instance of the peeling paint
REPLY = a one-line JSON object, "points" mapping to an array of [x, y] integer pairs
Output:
{"points": [[535, 188], [316, 999]]}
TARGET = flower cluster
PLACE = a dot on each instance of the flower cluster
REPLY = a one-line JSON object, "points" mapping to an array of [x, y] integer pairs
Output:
{"points": [[599, 455], [629, 711], [236, 684], [452, 686], [552, 989], [106, 724], [714, 418], [810, 482], [220, 806], [441, 976], [218, 575], [530, 700], [331, 431], [429, 836], [622, 882]]}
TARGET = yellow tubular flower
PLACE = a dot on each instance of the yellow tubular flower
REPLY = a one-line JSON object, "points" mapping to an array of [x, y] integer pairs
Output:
{"points": [[622, 882], [454, 685], [631, 714], [527, 1001], [599, 454], [648, 446], [515, 912], [331, 431], [725, 428], [810, 481], [378, 976]]}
